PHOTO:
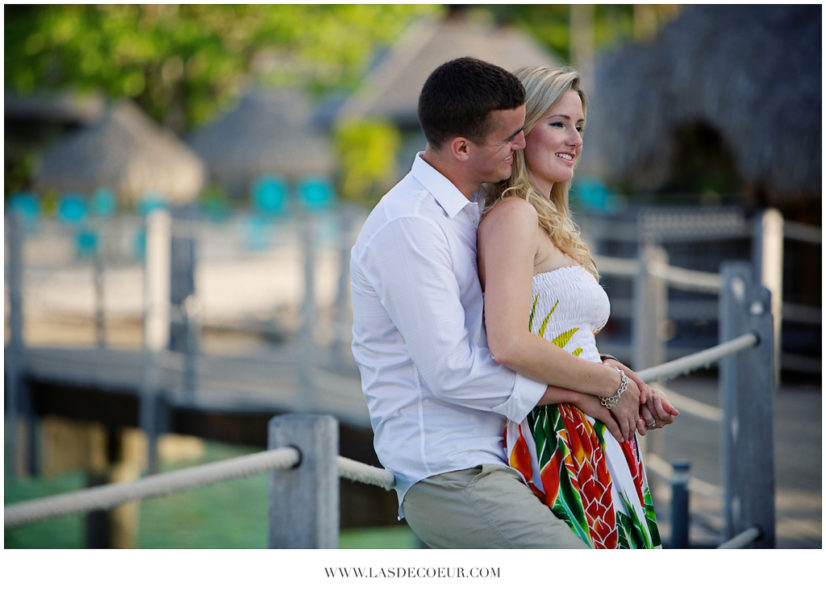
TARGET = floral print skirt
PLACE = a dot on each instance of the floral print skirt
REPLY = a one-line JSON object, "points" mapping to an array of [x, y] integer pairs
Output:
{"points": [[597, 485]]}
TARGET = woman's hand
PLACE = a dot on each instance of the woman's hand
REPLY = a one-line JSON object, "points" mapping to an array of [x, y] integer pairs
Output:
{"points": [[657, 412], [627, 411], [645, 390]]}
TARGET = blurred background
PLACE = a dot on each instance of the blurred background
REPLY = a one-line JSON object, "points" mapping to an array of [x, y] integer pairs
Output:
{"points": [[183, 183]]}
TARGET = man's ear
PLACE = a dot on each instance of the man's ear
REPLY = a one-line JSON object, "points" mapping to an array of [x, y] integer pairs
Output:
{"points": [[460, 148]]}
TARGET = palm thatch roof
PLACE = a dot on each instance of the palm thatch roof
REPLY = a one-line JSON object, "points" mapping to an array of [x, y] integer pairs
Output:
{"points": [[391, 91], [126, 152], [751, 73], [60, 107], [270, 131]]}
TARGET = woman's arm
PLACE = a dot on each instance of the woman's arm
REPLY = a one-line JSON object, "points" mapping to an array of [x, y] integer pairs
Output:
{"points": [[507, 244]]}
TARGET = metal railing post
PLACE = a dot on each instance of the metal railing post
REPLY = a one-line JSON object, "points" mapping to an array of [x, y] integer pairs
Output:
{"points": [[747, 384], [680, 504], [304, 500]]}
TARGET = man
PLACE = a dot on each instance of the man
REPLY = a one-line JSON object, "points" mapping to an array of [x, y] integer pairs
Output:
{"points": [[437, 399]]}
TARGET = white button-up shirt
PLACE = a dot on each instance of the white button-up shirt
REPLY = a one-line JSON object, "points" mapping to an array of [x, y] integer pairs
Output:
{"points": [[437, 400]]}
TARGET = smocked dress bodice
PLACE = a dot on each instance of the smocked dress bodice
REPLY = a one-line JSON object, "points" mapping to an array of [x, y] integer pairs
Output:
{"points": [[569, 307]]}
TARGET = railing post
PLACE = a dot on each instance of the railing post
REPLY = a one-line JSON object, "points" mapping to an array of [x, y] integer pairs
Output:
{"points": [[680, 504], [184, 326], [183, 262], [21, 437], [155, 326], [304, 500], [747, 384], [100, 301], [341, 321], [306, 342], [767, 259], [650, 308]]}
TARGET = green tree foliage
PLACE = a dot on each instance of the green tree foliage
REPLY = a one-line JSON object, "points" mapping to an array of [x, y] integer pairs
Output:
{"points": [[366, 150], [182, 63]]}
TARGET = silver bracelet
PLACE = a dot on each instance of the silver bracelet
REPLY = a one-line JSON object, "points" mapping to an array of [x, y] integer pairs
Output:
{"points": [[610, 402]]}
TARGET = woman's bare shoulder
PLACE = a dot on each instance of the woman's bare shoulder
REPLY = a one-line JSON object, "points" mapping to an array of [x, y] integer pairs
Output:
{"points": [[513, 210]]}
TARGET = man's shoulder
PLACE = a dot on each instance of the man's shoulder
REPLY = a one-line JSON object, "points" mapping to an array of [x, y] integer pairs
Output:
{"points": [[407, 200]]}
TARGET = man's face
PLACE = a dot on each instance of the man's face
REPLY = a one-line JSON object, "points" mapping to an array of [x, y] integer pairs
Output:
{"points": [[492, 160]]}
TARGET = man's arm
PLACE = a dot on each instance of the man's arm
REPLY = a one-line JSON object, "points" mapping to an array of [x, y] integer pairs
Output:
{"points": [[588, 404], [409, 264]]}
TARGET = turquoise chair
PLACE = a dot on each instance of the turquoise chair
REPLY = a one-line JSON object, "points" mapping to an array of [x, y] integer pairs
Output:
{"points": [[87, 242], [71, 209], [269, 196], [594, 195], [315, 194], [27, 205]]}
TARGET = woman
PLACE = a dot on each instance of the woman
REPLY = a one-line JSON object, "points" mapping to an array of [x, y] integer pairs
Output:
{"points": [[583, 461]]}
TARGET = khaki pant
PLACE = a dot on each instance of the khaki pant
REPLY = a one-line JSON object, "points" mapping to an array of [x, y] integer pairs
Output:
{"points": [[484, 507]]}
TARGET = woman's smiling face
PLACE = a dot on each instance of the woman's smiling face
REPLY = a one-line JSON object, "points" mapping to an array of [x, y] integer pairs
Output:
{"points": [[554, 143]]}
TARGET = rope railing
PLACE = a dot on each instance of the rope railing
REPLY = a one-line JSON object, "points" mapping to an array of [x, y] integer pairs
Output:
{"points": [[663, 469], [802, 232], [678, 277], [611, 265], [686, 278], [363, 473], [741, 540], [165, 484], [701, 359], [162, 484]]}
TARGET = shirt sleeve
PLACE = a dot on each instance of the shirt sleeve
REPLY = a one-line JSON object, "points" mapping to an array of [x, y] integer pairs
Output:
{"points": [[409, 264]]}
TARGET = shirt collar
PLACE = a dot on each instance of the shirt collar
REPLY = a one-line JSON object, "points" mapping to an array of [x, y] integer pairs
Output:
{"points": [[446, 194]]}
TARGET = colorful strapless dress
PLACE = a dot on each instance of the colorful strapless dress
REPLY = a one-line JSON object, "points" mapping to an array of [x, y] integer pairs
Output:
{"points": [[597, 485]]}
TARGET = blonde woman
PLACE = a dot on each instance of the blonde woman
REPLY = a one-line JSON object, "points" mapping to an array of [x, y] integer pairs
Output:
{"points": [[543, 308]]}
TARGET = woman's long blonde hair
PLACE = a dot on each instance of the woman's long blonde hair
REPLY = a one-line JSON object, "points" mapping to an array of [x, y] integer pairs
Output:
{"points": [[544, 87]]}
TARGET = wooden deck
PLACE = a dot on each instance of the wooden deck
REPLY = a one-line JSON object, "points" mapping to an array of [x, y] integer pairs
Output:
{"points": [[250, 384]]}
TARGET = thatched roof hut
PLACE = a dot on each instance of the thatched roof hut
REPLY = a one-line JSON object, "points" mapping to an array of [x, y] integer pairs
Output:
{"points": [[66, 107], [126, 152], [392, 89], [751, 74], [270, 131]]}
